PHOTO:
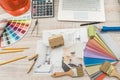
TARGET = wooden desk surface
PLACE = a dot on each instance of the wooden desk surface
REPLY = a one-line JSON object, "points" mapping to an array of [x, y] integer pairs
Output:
{"points": [[18, 69]]}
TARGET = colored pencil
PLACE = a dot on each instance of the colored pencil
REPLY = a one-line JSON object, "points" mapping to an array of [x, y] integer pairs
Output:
{"points": [[33, 63], [15, 48], [12, 60], [33, 57], [11, 51]]}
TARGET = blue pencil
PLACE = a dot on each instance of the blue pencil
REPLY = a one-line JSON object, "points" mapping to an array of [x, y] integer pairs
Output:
{"points": [[110, 28]]}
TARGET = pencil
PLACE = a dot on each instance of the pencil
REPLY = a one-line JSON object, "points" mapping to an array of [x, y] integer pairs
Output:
{"points": [[11, 51], [15, 48], [33, 57], [33, 63], [12, 60], [85, 24]]}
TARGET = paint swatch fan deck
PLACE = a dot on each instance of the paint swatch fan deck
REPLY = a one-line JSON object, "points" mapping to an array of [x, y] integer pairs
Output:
{"points": [[15, 28], [97, 52]]}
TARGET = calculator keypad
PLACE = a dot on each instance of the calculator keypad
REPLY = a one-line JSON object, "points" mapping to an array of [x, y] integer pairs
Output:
{"points": [[42, 8]]}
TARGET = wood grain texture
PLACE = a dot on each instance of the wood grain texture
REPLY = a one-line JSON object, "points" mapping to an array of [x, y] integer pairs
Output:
{"points": [[18, 69]]}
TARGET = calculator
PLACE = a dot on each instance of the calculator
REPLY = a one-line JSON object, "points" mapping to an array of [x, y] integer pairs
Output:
{"points": [[42, 8]]}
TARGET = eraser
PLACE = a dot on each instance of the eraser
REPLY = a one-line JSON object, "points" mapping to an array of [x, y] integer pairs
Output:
{"points": [[91, 31], [56, 41]]}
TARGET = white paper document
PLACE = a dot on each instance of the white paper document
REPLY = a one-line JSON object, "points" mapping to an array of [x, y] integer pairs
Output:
{"points": [[70, 35], [50, 60]]}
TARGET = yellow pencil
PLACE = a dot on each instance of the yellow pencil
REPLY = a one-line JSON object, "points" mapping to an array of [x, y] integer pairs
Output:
{"points": [[15, 48], [11, 51], [33, 63], [12, 60], [33, 57]]}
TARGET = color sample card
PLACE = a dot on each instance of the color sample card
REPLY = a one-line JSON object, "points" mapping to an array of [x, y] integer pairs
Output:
{"points": [[111, 44], [93, 53], [93, 69], [95, 61], [15, 29], [95, 45], [96, 52]]}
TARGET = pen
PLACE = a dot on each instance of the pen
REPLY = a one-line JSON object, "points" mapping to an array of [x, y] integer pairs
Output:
{"points": [[3, 24], [85, 24], [110, 28]]}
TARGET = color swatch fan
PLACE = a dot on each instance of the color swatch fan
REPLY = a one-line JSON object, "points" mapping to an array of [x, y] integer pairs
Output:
{"points": [[95, 54], [15, 29]]}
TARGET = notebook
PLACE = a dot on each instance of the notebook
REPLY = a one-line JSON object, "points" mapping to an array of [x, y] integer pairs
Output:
{"points": [[81, 10]]}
